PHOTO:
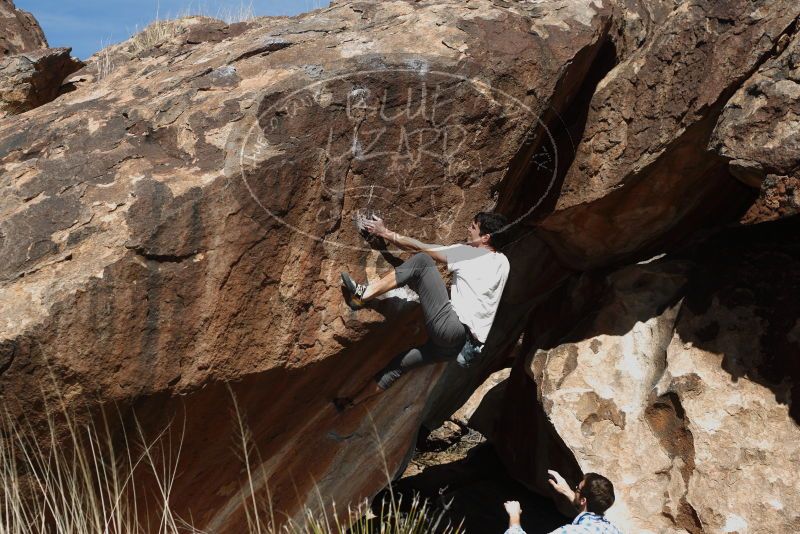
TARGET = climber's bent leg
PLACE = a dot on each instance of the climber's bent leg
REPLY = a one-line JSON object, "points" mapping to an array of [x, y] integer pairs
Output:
{"points": [[441, 321], [418, 268], [427, 354], [420, 274], [446, 333]]}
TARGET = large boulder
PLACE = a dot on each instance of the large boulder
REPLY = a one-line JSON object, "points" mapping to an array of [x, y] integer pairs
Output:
{"points": [[172, 230], [680, 386], [178, 222], [19, 31]]}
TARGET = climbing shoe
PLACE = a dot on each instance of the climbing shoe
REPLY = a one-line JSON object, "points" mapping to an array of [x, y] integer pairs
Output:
{"points": [[355, 292]]}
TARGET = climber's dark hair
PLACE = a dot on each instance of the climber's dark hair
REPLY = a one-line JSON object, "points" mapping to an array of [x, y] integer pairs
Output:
{"points": [[490, 223], [598, 492]]}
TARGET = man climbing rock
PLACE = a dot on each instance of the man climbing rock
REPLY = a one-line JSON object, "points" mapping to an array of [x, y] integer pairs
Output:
{"points": [[459, 322]]}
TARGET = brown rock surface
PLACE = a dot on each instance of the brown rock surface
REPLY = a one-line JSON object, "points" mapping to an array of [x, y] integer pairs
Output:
{"points": [[642, 176], [480, 409], [178, 221], [682, 381], [758, 131], [19, 31], [32, 79]]}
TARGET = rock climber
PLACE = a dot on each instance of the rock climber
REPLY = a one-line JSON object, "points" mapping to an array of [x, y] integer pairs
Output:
{"points": [[456, 324], [593, 495]]}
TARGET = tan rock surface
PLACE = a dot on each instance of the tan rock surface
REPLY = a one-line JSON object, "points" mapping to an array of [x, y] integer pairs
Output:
{"points": [[680, 388], [479, 412]]}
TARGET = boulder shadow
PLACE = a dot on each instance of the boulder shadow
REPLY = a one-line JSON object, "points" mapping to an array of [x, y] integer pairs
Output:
{"points": [[473, 490], [743, 302]]}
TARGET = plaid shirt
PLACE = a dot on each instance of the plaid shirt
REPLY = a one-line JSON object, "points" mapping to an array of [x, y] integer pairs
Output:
{"points": [[585, 523]]}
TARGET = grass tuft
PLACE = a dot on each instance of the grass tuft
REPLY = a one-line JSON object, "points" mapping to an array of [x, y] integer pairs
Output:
{"points": [[162, 30], [84, 477], [242, 13], [105, 63], [155, 34]]}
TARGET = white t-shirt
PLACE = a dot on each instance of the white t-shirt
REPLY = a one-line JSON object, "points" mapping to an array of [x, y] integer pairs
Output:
{"points": [[479, 277]]}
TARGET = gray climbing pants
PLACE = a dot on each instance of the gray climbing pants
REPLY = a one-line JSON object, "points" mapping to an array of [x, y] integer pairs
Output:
{"points": [[446, 333]]}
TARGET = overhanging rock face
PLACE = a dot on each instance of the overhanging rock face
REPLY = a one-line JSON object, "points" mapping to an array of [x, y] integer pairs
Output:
{"points": [[758, 132], [642, 169]]}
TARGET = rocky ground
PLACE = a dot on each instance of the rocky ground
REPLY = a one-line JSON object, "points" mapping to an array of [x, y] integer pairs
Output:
{"points": [[460, 475], [175, 213]]}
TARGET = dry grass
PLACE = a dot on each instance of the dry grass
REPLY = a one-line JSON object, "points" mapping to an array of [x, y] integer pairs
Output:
{"points": [[89, 482], [165, 27], [155, 34], [105, 62], [162, 30], [242, 13]]}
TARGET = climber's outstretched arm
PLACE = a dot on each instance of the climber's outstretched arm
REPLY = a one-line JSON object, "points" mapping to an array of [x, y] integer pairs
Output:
{"points": [[376, 227]]}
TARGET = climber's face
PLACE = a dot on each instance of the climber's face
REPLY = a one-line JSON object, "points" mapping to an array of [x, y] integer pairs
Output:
{"points": [[474, 235]]}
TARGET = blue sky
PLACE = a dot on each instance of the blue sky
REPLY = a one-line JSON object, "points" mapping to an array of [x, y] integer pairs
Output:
{"points": [[88, 25]]}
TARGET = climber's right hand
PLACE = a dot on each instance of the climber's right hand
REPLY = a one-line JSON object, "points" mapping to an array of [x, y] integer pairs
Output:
{"points": [[376, 227]]}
